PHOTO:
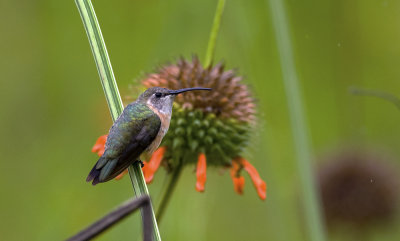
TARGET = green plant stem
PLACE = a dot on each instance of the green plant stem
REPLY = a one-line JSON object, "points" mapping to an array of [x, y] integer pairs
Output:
{"points": [[214, 33], [110, 88], [169, 191], [298, 122]]}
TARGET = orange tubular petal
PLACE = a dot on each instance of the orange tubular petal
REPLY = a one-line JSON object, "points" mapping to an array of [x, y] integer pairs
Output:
{"points": [[238, 181], [122, 174], [238, 184], [201, 172], [259, 184], [154, 164], [99, 145]]}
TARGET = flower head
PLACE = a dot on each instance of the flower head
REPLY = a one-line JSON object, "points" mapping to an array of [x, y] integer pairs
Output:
{"points": [[207, 128]]}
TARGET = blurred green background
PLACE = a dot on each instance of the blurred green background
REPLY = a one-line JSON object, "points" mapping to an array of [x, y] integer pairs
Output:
{"points": [[53, 109]]}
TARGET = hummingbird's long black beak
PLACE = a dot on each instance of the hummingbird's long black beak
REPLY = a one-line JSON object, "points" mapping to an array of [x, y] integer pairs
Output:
{"points": [[175, 92]]}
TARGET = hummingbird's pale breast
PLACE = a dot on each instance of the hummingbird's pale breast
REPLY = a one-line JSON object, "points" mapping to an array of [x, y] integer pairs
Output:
{"points": [[165, 117]]}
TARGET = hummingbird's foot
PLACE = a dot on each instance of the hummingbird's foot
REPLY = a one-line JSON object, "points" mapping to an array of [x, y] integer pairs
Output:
{"points": [[141, 163]]}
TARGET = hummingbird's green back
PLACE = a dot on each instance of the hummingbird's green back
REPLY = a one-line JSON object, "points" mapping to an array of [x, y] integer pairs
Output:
{"points": [[133, 131]]}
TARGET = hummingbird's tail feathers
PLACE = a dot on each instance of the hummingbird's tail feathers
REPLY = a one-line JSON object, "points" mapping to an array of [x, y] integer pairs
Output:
{"points": [[93, 175], [101, 162], [107, 169], [102, 170]]}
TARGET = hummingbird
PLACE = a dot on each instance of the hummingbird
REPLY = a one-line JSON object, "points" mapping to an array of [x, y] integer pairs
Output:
{"points": [[138, 130]]}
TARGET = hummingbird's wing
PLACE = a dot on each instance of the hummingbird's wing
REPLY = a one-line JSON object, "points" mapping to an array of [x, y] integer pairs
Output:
{"points": [[133, 131]]}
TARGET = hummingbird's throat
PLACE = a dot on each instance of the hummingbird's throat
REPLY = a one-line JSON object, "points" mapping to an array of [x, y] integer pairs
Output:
{"points": [[165, 120], [163, 106]]}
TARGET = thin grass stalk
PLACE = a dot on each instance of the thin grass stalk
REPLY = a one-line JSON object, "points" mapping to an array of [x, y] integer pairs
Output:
{"points": [[110, 89], [298, 123], [214, 33]]}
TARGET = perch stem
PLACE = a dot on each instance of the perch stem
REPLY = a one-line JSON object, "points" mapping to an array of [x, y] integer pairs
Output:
{"points": [[111, 92]]}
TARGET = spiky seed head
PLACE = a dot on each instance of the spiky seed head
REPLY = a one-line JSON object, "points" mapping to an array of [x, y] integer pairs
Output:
{"points": [[230, 98], [211, 128], [217, 123]]}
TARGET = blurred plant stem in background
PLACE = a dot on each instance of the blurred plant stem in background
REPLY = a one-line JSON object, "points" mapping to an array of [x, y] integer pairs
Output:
{"points": [[299, 128], [208, 60], [111, 92], [376, 93]]}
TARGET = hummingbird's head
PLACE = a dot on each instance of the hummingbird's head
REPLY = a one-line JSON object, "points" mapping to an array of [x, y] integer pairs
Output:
{"points": [[162, 98]]}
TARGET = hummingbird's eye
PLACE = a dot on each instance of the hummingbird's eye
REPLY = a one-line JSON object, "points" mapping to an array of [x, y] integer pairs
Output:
{"points": [[158, 94]]}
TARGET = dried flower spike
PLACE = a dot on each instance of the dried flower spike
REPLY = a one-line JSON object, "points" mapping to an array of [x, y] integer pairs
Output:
{"points": [[206, 129], [358, 188]]}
